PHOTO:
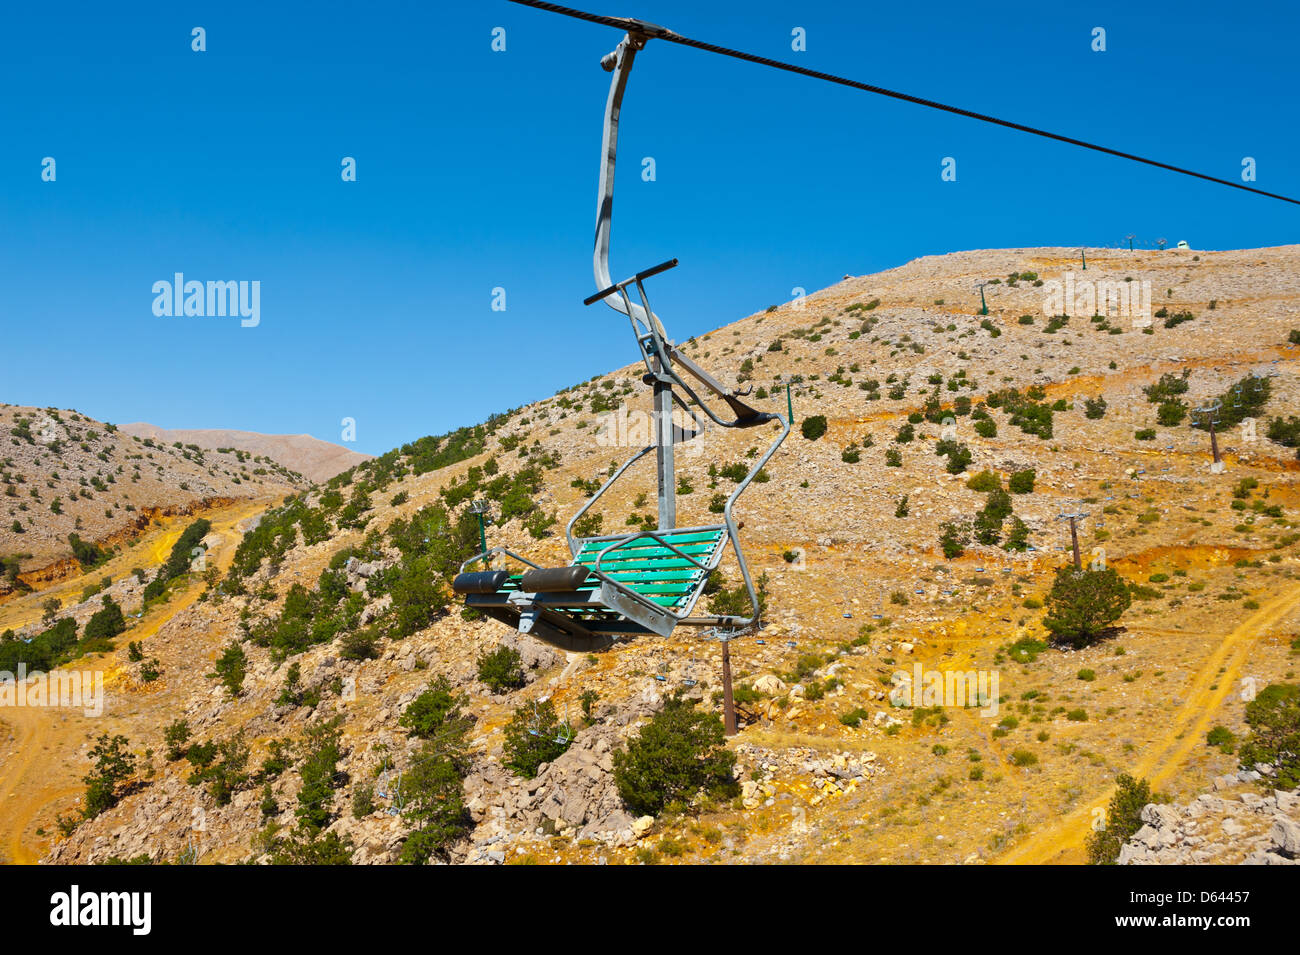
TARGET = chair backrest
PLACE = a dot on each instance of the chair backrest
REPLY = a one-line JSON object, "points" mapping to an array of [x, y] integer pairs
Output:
{"points": [[653, 570]]}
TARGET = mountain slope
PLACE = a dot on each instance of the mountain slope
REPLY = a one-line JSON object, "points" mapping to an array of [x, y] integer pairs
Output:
{"points": [[316, 460], [859, 587], [63, 473]]}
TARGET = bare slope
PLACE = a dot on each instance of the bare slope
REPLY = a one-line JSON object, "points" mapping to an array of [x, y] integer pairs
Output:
{"points": [[313, 458], [858, 587], [62, 473]]}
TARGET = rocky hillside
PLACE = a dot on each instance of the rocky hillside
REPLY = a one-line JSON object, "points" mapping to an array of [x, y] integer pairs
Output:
{"points": [[1234, 825], [64, 474], [313, 458], [882, 546]]}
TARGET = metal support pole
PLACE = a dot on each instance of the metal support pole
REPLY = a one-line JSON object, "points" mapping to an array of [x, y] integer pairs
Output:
{"points": [[728, 701], [480, 511], [663, 413], [1074, 517], [1211, 411]]}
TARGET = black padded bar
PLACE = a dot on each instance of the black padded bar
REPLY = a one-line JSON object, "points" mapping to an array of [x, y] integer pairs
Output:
{"points": [[639, 277], [480, 582], [554, 578]]}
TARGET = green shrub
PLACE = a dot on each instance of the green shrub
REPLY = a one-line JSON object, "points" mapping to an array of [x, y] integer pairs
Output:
{"points": [[231, 668], [854, 717], [1082, 604], [1123, 818], [1221, 737], [106, 623], [1094, 408], [984, 482], [434, 792], [1023, 757], [1022, 482], [437, 714], [534, 736], [501, 669], [176, 735], [676, 756], [953, 539], [359, 645], [1026, 650], [589, 525], [814, 427], [1274, 720], [320, 776], [113, 764]]}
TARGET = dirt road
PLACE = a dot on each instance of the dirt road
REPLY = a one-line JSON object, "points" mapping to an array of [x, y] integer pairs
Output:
{"points": [[40, 772]]}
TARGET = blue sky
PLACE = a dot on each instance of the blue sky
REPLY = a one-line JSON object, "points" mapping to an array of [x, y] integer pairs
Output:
{"points": [[477, 169]]}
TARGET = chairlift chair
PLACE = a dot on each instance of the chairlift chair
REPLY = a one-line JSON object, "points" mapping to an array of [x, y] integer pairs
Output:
{"points": [[619, 586]]}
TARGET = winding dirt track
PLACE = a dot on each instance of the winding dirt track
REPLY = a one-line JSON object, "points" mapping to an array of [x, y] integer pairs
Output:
{"points": [[36, 776], [1217, 678]]}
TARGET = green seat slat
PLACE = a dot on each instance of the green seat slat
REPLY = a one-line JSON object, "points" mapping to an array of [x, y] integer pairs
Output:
{"points": [[641, 553], [656, 563], [666, 587], [623, 576], [659, 574], [677, 540]]}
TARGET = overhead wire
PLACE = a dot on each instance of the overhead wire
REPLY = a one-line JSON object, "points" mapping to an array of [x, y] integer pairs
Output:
{"points": [[653, 31]]}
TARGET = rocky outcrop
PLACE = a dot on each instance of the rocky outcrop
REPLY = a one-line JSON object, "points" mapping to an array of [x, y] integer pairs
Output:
{"points": [[1226, 827]]}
